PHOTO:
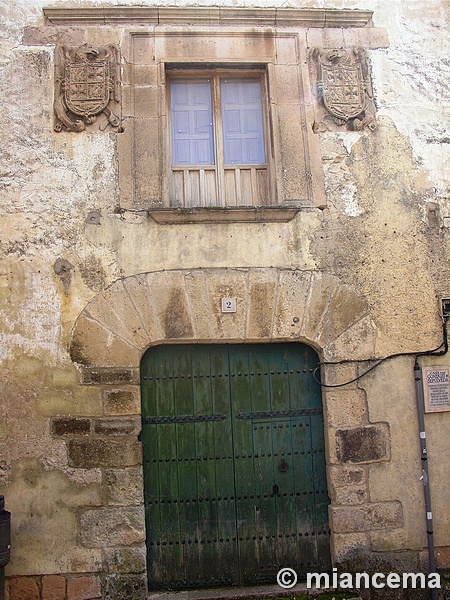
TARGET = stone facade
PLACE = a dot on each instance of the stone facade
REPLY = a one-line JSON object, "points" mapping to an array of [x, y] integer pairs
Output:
{"points": [[97, 264]]}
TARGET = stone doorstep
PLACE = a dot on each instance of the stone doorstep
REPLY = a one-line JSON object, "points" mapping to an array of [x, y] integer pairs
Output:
{"points": [[249, 593]]}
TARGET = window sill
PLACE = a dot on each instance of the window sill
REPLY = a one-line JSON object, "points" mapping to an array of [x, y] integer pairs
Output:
{"points": [[235, 214]]}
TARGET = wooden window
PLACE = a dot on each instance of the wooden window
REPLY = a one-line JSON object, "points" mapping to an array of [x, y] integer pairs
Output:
{"points": [[218, 139]]}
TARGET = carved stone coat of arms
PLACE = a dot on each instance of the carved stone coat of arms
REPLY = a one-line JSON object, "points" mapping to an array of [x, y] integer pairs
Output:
{"points": [[86, 86], [344, 89]]}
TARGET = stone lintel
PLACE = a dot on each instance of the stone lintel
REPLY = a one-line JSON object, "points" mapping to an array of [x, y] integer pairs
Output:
{"points": [[213, 16]]}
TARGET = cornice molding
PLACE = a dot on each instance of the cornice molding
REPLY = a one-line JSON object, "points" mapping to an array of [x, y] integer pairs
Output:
{"points": [[212, 16]]}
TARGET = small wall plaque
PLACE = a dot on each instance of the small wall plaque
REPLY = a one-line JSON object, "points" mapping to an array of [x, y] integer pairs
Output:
{"points": [[436, 389], [228, 305]]}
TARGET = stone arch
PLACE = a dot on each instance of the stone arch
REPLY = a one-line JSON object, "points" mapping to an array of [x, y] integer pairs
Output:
{"points": [[138, 311]]}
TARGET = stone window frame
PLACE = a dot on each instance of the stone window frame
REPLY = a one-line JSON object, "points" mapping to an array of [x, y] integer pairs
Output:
{"points": [[297, 177]]}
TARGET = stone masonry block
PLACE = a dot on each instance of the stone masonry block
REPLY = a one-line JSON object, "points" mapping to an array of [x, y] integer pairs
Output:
{"points": [[367, 517], [117, 426], [341, 476], [147, 160], [345, 544], [91, 453], [124, 487], [171, 304], [106, 527], [84, 588], [126, 560], [125, 159], [443, 557], [70, 36], [53, 587], [357, 341], [146, 101], [121, 402], [114, 309], [23, 588], [351, 495], [363, 444], [76, 401], [143, 49], [70, 426], [346, 408], [108, 376], [348, 485], [338, 374], [131, 587]]}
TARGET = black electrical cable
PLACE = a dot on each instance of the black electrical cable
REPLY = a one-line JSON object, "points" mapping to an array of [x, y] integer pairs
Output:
{"points": [[435, 352]]}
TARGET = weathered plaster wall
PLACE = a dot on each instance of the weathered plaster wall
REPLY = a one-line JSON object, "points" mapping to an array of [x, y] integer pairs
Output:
{"points": [[384, 234]]}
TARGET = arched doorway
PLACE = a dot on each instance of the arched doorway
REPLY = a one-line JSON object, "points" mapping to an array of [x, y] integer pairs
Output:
{"points": [[234, 463]]}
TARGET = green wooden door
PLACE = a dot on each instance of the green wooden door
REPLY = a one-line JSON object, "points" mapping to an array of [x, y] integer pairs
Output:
{"points": [[234, 466]]}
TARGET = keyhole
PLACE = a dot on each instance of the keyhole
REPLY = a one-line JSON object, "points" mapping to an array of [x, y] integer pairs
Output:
{"points": [[275, 489]]}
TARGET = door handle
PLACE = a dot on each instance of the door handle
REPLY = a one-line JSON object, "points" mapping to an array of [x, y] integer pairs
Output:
{"points": [[283, 466]]}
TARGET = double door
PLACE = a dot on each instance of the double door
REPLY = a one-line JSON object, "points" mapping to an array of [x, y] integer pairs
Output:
{"points": [[234, 465]]}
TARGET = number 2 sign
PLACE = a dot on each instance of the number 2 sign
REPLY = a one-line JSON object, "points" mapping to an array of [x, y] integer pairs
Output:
{"points": [[228, 305]]}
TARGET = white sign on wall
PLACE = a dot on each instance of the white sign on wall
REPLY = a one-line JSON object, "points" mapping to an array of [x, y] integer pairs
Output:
{"points": [[228, 305], [436, 388]]}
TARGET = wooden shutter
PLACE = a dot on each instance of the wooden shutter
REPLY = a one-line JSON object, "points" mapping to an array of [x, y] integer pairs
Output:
{"points": [[243, 131], [192, 130]]}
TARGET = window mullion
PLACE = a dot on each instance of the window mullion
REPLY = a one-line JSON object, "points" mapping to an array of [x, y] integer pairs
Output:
{"points": [[218, 139]]}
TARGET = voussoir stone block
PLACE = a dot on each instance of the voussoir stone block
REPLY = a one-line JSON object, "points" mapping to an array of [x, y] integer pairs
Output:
{"points": [[291, 303], [345, 308], [114, 309], [170, 300], [111, 526], [138, 291], [228, 283], [94, 344], [323, 288], [262, 294]]}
